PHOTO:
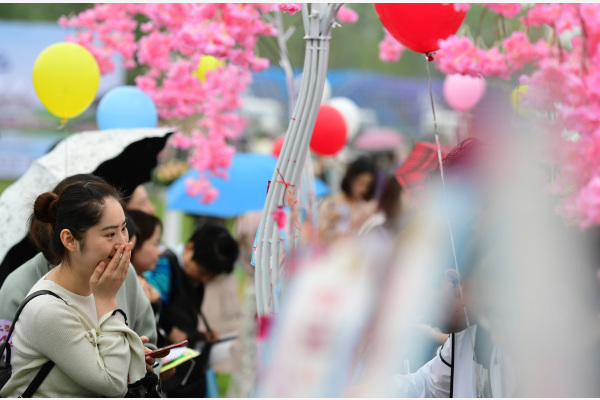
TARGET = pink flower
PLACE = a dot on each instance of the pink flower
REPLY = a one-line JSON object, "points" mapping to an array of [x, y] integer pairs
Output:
{"points": [[519, 50], [458, 7], [181, 141], [290, 8], [569, 18], [279, 217], [541, 14], [264, 325], [346, 15], [390, 49], [462, 6], [458, 55], [493, 63], [588, 203], [210, 195], [173, 38], [195, 187], [507, 10]]}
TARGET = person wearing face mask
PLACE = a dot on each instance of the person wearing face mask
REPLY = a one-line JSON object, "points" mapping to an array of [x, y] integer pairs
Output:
{"points": [[81, 229]]}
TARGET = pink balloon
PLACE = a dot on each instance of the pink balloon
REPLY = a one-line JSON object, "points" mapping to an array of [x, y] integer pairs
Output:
{"points": [[462, 92]]}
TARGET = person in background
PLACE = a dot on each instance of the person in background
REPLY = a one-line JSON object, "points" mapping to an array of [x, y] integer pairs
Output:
{"points": [[82, 229], [146, 252], [345, 212], [139, 200], [209, 252], [470, 363], [389, 208]]}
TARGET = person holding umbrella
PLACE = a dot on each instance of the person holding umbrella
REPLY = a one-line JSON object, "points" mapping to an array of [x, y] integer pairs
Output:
{"points": [[82, 228]]}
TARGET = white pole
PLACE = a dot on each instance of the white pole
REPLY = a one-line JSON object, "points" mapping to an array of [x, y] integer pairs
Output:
{"points": [[318, 23], [173, 226]]}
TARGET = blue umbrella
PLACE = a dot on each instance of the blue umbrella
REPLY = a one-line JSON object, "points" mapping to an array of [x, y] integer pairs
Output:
{"points": [[244, 191]]}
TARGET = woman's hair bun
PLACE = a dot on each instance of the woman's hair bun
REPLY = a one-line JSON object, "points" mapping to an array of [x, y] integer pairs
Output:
{"points": [[44, 208]]}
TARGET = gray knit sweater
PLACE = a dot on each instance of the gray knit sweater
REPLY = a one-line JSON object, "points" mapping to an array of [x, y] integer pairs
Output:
{"points": [[93, 358]]}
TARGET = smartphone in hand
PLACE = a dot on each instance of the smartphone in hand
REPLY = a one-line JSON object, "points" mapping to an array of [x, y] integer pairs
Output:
{"points": [[153, 353]]}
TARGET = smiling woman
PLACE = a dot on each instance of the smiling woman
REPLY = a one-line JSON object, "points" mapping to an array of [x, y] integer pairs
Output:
{"points": [[82, 228]]}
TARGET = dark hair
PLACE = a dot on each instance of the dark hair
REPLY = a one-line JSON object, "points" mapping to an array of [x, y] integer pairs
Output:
{"points": [[359, 166], [75, 204], [145, 224], [389, 202], [43, 230], [214, 248], [131, 227]]}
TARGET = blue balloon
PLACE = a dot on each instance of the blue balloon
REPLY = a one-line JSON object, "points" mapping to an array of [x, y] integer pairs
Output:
{"points": [[126, 107]]}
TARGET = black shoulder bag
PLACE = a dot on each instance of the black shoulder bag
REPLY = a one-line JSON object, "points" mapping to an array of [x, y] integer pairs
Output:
{"points": [[6, 368]]}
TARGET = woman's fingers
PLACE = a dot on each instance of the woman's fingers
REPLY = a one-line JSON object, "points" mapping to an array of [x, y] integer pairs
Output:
{"points": [[149, 368], [98, 271], [119, 264], [124, 261], [114, 263]]}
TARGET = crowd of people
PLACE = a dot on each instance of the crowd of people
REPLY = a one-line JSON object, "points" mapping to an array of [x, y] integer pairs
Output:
{"points": [[107, 313], [114, 293]]}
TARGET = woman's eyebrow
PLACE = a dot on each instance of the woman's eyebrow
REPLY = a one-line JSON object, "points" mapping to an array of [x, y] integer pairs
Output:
{"points": [[112, 226]]}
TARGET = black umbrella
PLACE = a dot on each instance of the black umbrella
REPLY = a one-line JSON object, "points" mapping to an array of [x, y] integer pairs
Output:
{"points": [[125, 158]]}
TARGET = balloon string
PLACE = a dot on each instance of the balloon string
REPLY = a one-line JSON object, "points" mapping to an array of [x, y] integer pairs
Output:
{"points": [[428, 58], [63, 127], [63, 124]]}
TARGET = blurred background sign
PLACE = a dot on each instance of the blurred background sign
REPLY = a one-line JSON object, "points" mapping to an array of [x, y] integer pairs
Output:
{"points": [[18, 151], [21, 42]]}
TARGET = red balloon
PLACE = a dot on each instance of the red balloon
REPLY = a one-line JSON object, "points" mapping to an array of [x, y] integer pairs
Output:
{"points": [[419, 26], [277, 145], [329, 135]]}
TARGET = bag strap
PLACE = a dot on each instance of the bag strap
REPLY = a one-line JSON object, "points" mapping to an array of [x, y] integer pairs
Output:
{"points": [[12, 327], [38, 379], [204, 320], [45, 370]]}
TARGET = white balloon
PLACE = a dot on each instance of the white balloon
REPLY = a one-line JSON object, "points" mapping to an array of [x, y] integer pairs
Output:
{"points": [[326, 92], [351, 113]]}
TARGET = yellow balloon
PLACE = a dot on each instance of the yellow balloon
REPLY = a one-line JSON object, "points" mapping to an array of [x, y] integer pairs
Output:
{"points": [[517, 99], [207, 63], [66, 78]]}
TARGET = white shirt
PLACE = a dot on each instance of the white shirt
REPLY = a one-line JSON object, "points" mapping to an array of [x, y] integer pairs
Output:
{"points": [[454, 372]]}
